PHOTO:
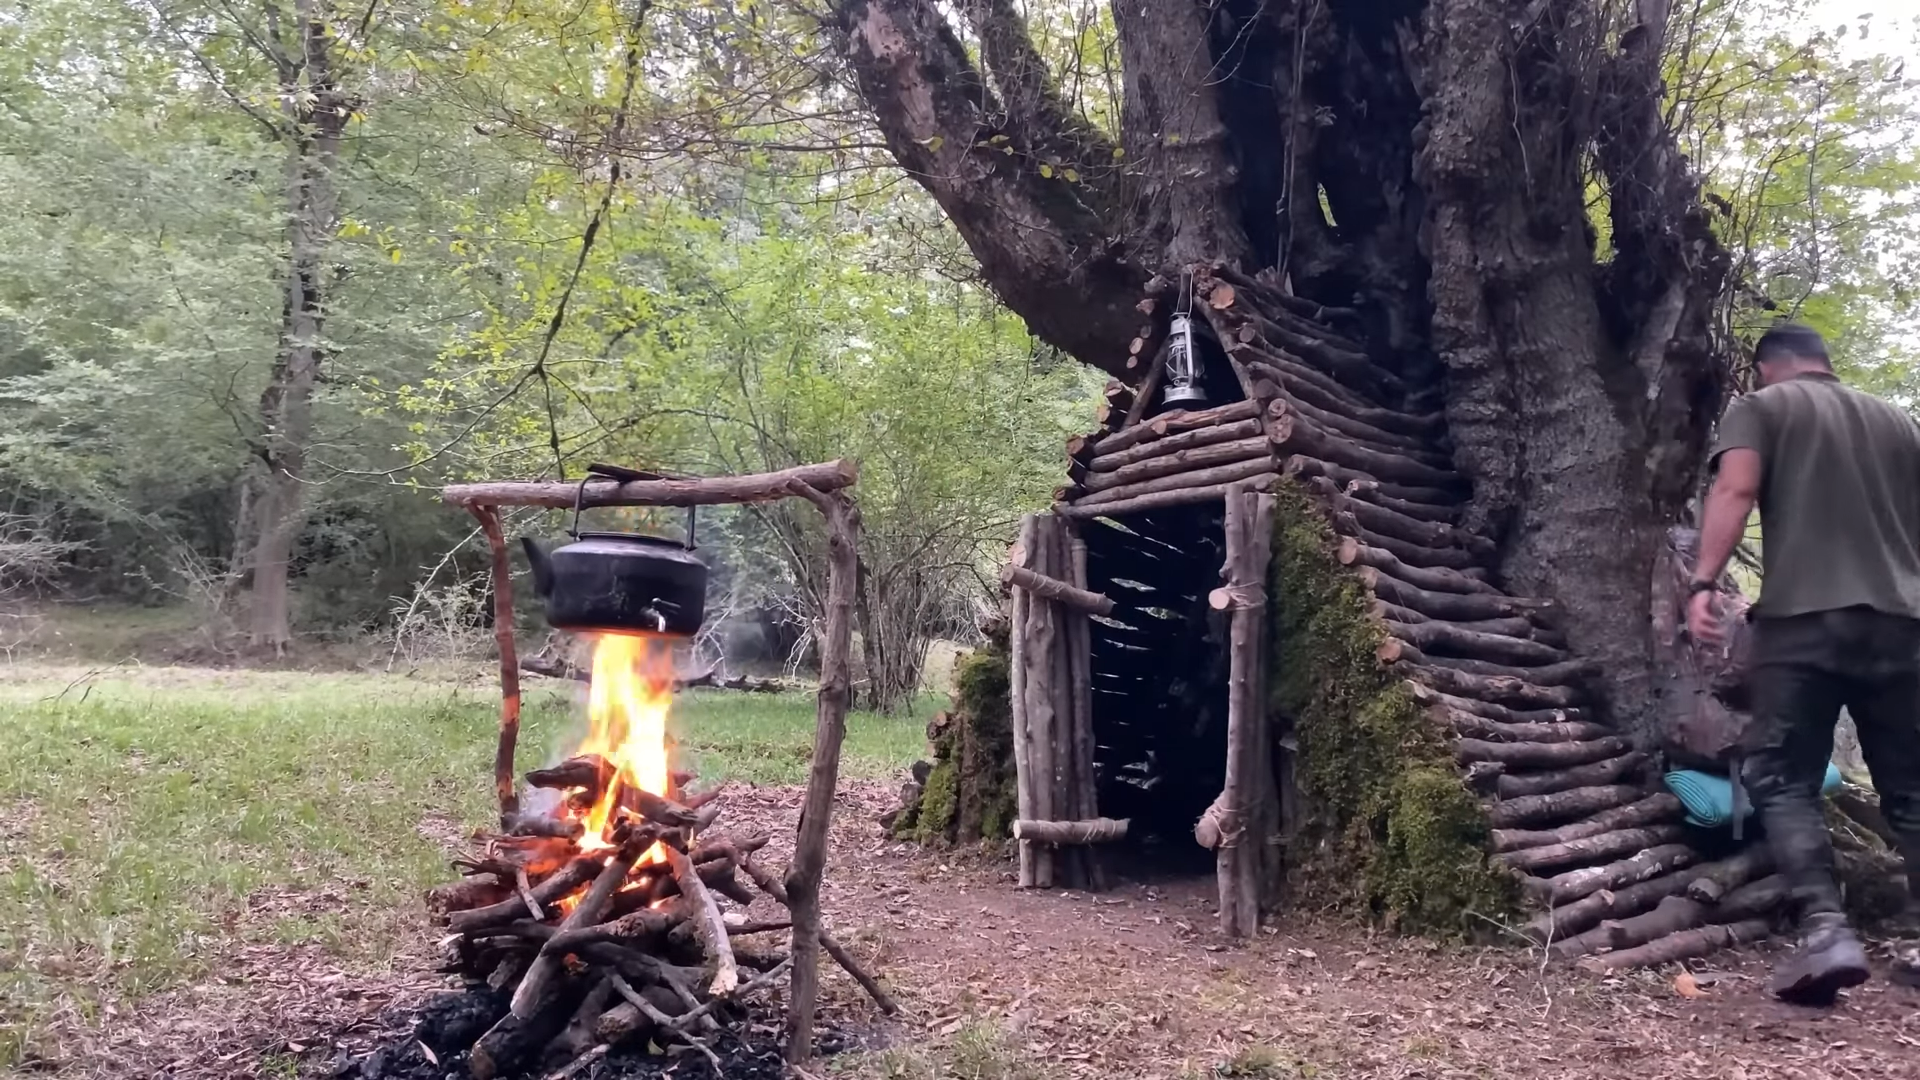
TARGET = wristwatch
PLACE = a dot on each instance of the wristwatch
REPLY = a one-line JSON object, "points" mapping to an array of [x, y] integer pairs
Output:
{"points": [[1697, 586]]}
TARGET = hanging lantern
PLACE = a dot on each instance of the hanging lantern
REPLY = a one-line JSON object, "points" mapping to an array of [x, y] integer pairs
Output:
{"points": [[1183, 363]]}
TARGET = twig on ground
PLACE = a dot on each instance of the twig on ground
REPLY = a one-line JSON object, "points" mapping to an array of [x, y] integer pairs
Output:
{"points": [[663, 1021], [582, 1063], [751, 985]]}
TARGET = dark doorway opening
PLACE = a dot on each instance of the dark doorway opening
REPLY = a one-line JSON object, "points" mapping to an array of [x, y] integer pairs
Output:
{"points": [[1159, 675]]}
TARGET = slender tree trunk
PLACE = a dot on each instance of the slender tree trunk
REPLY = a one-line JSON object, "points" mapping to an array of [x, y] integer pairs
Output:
{"points": [[893, 635], [316, 113], [870, 643]]}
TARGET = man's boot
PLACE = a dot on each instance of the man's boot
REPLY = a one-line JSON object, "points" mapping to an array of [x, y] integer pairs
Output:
{"points": [[1829, 960]]}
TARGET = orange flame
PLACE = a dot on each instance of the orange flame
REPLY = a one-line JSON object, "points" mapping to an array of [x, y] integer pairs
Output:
{"points": [[627, 705]]}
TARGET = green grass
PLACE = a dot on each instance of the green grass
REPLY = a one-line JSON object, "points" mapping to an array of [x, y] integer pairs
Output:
{"points": [[91, 631], [156, 819]]}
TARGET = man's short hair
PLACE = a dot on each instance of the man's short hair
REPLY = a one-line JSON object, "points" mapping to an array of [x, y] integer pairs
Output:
{"points": [[1789, 342]]}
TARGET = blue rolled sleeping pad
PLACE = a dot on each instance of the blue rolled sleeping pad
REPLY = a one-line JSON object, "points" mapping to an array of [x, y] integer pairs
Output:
{"points": [[1709, 798]]}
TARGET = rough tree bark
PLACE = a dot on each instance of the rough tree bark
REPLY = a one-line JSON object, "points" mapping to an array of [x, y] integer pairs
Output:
{"points": [[315, 112], [1427, 163]]}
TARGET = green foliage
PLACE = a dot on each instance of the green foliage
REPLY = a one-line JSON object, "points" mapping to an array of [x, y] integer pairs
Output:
{"points": [[1805, 132], [934, 816], [1391, 831], [745, 317], [757, 291]]}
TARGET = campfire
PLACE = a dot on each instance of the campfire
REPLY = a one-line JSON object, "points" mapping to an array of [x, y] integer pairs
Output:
{"points": [[594, 919], [602, 905]]}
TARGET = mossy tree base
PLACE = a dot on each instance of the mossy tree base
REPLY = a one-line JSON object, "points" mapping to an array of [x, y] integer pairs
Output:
{"points": [[1387, 827], [969, 792]]}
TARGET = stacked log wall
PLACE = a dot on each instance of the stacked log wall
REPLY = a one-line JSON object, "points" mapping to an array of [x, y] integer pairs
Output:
{"points": [[1451, 764], [1440, 759]]}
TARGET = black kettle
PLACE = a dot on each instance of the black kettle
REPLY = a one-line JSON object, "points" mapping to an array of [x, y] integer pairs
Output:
{"points": [[621, 582]]}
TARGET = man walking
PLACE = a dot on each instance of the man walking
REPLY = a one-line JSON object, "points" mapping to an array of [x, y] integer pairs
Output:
{"points": [[1836, 474]]}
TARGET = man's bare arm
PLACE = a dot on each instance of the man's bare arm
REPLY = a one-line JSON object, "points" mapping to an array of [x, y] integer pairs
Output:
{"points": [[1736, 487]]}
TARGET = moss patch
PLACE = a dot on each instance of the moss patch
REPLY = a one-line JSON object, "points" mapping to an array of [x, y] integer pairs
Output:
{"points": [[1388, 830], [969, 794], [933, 816]]}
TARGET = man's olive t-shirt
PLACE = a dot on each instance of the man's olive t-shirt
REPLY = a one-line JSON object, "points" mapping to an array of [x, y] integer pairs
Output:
{"points": [[1839, 496]]}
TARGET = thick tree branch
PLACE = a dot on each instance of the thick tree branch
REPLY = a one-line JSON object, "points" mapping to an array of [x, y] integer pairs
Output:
{"points": [[1049, 254], [1036, 121], [1508, 88]]}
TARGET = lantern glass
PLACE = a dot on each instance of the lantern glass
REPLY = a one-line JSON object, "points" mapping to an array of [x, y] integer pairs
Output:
{"points": [[1183, 363]]}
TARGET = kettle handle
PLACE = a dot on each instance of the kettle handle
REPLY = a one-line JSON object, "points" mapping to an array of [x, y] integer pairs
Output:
{"points": [[624, 475]]}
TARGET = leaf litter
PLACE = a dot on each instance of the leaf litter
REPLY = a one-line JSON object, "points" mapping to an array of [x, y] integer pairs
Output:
{"points": [[1136, 982]]}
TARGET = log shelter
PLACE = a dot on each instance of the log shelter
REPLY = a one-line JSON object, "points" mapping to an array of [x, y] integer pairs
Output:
{"points": [[1140, 663]]}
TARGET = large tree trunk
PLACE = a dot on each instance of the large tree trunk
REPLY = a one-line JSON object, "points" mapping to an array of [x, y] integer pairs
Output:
{"points": [[1427, 163], [316, 114]]}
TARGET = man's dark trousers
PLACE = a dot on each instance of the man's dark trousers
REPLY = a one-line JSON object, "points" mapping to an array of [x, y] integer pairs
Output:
{"points": [[1805, 668]]}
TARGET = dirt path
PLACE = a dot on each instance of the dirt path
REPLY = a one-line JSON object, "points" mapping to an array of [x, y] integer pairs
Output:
{"points": [[1138, 983], [1002, 984]]}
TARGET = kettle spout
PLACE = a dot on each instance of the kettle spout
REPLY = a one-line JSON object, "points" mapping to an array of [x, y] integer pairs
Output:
{"points": [[542, 568]]}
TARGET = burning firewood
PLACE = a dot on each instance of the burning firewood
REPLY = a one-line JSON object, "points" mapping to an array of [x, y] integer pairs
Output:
{"points": [[589, 772], [615, 937], [524, 824], [659, 809]]}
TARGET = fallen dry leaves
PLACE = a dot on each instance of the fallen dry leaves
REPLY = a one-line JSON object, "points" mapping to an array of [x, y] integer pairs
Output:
{"points": [[1136, 982]]}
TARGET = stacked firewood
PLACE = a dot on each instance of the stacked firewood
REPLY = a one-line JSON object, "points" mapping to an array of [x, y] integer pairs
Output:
{"points": [[613, 940], [1573, 806]]}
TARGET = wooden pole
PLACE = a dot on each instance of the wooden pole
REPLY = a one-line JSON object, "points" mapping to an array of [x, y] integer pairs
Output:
{"points": [[1259, 554], [1174, 422], [1169, 444], [1143, 400], [1158, 500], [1193, 460], [705, 491], [1087, 803], [1104, 494], [503, 782], [1086, 831], [1244, 819], [1041, 697], [830, 728], [1023, 602], [1066, 782]]}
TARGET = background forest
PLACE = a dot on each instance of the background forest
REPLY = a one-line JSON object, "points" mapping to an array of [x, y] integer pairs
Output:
{"points": [[273, 270]]}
